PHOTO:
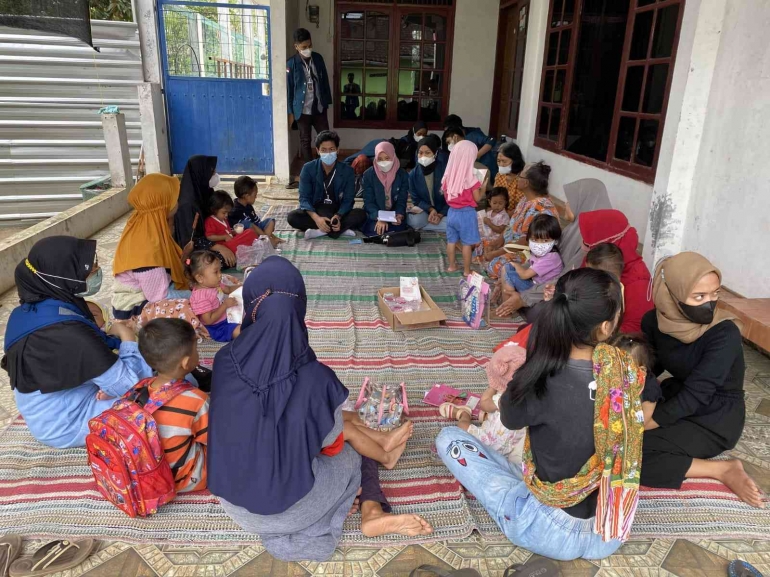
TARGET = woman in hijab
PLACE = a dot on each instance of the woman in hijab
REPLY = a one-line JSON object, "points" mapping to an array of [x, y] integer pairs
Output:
{"points": [[198, 182], [148, 262], [702, 411], [62, 367], [510, 163], [386, 188], [276, 457], [425, 187], [600, 226], [405, 147]]}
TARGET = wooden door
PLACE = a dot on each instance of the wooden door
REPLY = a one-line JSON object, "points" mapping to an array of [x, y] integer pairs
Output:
{"points": [[511, 51]]}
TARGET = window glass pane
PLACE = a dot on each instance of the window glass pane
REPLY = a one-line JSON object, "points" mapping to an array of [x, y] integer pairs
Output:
{"points": [[411, 27], [558, 8], [430, 110], [553, 46], [548, 86], [435, 27], [377, 26], [376, 82], [431, 83], [351, 52], [408, 108], [558, 89], [569, 12], [646, 141], [665, 29], [553, 134], [351, 90], [566, 38], [545, 116], [655, 90], [641, 3], [376, 108], [352, 25], [409, 82], [376, 54], [433, 56], [599, 53], [632, 92], [624, 145], [409, 56], [640, 39]]}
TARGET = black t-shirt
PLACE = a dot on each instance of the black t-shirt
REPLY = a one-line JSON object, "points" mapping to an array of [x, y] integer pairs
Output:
{"points": [[242, 212], [561, 427]]}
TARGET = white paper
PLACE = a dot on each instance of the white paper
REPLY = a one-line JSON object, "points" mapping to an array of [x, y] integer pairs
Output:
{"points": [[387, 216], [235, 313]]}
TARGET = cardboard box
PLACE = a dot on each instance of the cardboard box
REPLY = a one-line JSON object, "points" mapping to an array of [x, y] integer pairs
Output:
{"points": [[432, 318]]}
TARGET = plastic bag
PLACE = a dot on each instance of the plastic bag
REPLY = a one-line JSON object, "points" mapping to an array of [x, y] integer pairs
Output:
{"points": [[382, 407], [473, 294], [253, 255]]}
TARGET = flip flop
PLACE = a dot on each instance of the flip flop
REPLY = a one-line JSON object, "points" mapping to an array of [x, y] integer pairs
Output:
{"points": [[53, 557], [440, 572], [742, 569], [10, 547], [451, 411], [539, 567], [292, 185]]}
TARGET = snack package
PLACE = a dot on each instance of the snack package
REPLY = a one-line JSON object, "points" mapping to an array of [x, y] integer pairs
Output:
{"points": [[410, 289], [235, 313]]}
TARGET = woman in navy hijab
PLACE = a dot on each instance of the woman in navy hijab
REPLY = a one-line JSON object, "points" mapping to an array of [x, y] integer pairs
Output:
{"points": [[276, 455]]}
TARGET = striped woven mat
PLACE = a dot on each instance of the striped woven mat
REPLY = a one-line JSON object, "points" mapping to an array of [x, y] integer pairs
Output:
{"points": [[50, 493]]}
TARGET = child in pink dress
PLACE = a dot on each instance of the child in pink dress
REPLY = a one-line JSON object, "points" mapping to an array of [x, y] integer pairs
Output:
{"points": [[204, 271]]}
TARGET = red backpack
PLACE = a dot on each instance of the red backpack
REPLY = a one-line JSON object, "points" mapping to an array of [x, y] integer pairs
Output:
{"points": [[125, 452]]}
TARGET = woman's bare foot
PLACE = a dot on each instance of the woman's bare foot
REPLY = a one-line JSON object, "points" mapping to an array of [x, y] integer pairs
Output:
{"points": [[398, 436], [354, 508], [739, 482], [375, 524], [392, 457], [452, 268]]}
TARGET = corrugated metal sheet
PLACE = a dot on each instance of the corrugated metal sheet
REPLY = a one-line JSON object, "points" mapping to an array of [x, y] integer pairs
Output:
{"points": [[51, 139]]}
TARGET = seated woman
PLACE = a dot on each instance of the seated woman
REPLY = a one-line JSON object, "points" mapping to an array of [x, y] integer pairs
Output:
{"points": [[148, 262], [198, 182], [287, 475], [405, 147], [573, 453], [425, 187], [533, 183], [510, 163], [702, 411], [63, 369], [602, 226], [386, 187]]}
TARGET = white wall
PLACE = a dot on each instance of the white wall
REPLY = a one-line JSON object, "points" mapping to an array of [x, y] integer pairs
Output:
{"points": [[728, 218], [473, 64]]}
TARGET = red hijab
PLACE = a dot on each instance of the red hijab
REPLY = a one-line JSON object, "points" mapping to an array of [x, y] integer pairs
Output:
{"points": [[610, 225]]}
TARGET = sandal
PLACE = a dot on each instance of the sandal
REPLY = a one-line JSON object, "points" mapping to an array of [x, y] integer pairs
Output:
{"points": [[53, 557], [10, 547], [539, 566], [742, 569], [450, 411], [440, 572]]}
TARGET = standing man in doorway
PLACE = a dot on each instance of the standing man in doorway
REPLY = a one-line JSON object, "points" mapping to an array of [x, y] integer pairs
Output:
{"points": [[308, 91]]}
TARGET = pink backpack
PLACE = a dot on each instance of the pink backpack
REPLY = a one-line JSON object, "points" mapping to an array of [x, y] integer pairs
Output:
{"points": [[126, 455]]}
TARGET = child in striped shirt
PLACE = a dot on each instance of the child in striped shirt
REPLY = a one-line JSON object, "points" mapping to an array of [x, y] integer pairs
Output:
{"points": [[170, 347]]}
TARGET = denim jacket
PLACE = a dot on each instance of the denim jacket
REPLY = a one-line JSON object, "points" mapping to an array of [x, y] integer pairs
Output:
{"points": [[418, 189], [296, 83], [374, 193], [311, 186]]}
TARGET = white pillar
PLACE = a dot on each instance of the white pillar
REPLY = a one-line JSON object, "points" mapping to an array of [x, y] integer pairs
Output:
{"points": [[154, 136], [674, 187], [278, 57], [114, 126], [145, 18]]}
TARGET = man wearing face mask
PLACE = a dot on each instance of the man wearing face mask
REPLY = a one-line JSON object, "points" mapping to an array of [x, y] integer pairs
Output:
{"points": [[484, 143], [326, 194], [64, 370], [308, 91]]}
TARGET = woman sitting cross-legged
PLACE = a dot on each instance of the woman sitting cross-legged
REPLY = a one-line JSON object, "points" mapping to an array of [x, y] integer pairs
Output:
{"points": [[386, 188], [580, 399], [276, 457], [703, 411], [64, 370]]}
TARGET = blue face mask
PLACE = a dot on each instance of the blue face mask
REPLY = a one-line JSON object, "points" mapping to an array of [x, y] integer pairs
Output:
{"points": [[93, 285], [328, 158]]}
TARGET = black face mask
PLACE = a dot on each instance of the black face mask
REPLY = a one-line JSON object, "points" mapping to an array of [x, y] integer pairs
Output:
{"points": [[701, 314]]}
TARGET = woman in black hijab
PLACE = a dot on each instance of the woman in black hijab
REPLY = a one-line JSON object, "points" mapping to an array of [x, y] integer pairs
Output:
{"points": [[425, 187], [62, 367], [198, 182]]}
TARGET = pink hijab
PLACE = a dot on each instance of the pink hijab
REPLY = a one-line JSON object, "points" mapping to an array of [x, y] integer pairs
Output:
{"points": [[386, 178], [459, 170]]}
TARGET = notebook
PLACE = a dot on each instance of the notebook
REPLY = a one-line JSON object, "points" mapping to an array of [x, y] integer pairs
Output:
{"points": [[387, 216]]}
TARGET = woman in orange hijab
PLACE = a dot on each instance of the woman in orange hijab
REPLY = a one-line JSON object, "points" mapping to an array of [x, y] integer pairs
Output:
{"points": [[148, 262]]}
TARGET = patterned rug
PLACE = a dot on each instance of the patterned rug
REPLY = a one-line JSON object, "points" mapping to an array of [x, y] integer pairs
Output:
{"points": [[50, 493]]}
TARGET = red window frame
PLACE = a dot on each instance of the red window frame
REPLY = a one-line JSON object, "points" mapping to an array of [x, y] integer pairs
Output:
{"points": [[395, 11], [611, 163]]}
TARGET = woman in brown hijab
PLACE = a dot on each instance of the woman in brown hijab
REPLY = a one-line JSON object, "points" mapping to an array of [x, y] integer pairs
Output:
{"points": [[702, 411]]}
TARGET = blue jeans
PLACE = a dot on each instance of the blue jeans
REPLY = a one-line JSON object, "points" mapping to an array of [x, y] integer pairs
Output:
{"points": [[420, 222], [513, 279], [526, 522]]}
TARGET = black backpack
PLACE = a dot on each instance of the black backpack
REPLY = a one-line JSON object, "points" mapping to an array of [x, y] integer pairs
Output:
{"points": [[408, 237]]}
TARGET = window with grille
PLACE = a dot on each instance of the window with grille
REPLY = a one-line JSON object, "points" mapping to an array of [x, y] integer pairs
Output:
{"points": [[606, 76], [392, 63]]}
